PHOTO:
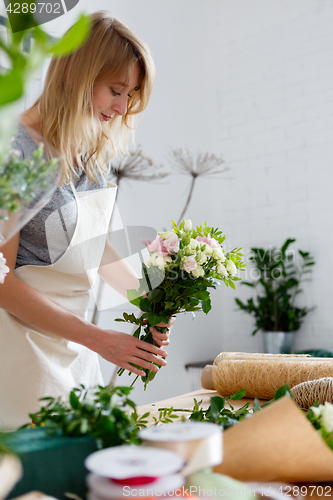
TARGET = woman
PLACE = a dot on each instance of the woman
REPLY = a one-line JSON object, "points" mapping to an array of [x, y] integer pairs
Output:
{"points": [[85, 113]]}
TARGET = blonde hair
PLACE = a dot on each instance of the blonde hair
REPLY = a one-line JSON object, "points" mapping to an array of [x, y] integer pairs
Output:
{"points": [[67, 120]]}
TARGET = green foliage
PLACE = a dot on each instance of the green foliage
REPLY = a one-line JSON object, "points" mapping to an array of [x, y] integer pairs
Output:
{"points": [[101, 412], [280, 275], [222, 412], [21, 66], [20, 180]]}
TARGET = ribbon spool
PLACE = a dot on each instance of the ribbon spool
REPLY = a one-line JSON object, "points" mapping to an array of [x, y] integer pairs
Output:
{"points": [[307, 393], [127, 461], [122, 471], [198, 443]]}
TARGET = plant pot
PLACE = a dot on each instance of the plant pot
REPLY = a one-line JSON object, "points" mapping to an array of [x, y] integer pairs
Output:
{"points": [[278, 342]]}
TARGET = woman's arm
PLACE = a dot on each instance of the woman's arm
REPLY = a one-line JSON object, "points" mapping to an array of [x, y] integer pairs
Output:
{"points": [[29, 305]]}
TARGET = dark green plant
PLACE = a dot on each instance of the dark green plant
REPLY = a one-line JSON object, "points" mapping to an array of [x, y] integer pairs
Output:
{"points": [[104, 413], [280, 274]]}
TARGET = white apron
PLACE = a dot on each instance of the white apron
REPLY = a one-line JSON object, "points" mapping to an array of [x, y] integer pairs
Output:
{"points": [[33, 363]]}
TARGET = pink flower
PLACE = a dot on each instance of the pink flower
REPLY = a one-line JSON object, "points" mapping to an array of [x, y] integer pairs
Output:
{"points": [[190, 264], [157, 246], [171, 244], [207, 239]]}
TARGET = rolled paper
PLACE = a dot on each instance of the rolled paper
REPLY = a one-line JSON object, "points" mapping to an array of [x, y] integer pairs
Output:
{"points": [[207, 378], [262, 374], [198, 443], [10, 473], [277, 443]]}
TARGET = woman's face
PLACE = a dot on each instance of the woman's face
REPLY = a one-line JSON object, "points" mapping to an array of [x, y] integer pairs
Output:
{"points": [[110, 96]]}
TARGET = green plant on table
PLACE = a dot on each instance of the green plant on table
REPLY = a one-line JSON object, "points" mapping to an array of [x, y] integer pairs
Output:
{"points": [[104, 413], [279, 277], [222, 412]]}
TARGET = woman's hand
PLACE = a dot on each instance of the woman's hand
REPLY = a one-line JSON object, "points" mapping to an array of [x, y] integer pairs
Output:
{"points": [[162, 338], [124, 350]]}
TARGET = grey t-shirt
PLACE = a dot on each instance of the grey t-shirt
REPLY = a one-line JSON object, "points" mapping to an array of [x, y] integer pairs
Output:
{"points": [[46, 237]]}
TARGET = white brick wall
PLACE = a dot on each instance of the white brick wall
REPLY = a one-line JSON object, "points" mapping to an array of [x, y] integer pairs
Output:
{"points": [[252, 81], [275, 106]]}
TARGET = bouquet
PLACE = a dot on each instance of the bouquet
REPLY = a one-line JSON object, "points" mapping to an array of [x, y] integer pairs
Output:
{"points": [[183, 264]]}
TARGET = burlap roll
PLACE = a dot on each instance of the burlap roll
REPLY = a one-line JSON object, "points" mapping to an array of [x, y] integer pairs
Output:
{"points": [[262, 374]]}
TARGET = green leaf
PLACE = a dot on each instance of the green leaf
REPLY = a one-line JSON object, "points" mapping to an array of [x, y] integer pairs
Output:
{"points": [[238, 395], [73, 38], [11, 86], [133, 298], [74, 400]]}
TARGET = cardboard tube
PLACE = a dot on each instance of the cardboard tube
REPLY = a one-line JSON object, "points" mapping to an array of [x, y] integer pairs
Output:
{"points": [[207, 378]]}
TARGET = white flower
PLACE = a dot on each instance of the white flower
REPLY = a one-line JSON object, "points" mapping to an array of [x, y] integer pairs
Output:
{"points": [[187, 225], [190, 264], [167, 234], [218, 254], [192, 246], [222, 270], [158, 260], [201, 258], [326, 418], [208, 249], [4, 270], [231, 268], [198, 272], [316, 410]]}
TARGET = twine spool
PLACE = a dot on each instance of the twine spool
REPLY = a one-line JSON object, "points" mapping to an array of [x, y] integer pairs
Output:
{"points": [[262, 374], [307, 393]]}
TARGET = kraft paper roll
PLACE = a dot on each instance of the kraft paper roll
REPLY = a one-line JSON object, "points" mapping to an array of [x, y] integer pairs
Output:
{"points": [[10, 473], [277, 443], [198, 443], [262, 374]]}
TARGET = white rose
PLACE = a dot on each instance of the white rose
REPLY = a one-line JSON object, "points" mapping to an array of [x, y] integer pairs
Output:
{"points": [[218, 254], [316, 410], [198, 272], [222, 270], [193, 245], [188, 225], [326, 418], [201, 258], [231, 268], [157, 260], [4, 270], [167, 234], [208, 250]]}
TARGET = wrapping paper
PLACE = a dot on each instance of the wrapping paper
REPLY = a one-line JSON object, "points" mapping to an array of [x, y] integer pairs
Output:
{"points": [[276, 444]]}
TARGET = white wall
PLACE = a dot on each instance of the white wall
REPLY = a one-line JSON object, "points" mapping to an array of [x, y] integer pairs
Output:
{"points": [[251, 81]]}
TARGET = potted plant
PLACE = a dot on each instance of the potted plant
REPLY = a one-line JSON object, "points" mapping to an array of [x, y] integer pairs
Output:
{"points": [[279, 276]]}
